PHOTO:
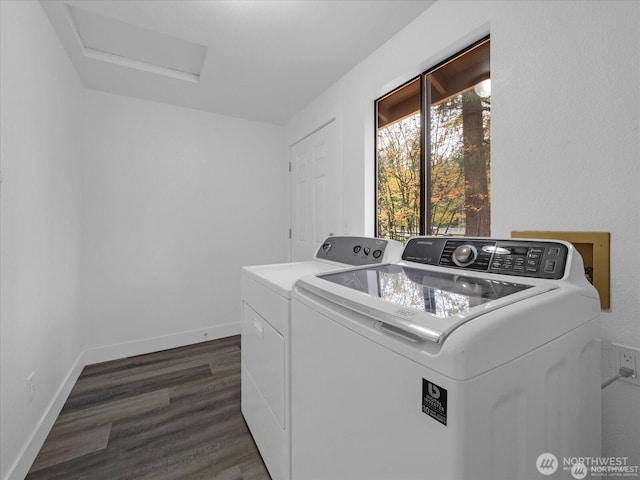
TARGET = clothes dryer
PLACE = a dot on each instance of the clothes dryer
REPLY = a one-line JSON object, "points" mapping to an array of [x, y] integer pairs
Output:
{"points": [[265, 370]]}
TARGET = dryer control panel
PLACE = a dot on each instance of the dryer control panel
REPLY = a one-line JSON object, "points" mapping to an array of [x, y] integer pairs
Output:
{"points": [[359, 250], [525, 258]]}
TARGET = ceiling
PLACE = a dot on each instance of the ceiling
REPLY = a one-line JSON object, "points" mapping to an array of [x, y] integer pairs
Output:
{"points": [[261, 60]]}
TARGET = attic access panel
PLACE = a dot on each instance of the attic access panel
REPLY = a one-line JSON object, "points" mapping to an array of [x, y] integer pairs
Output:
{"points": [[110, 40]]}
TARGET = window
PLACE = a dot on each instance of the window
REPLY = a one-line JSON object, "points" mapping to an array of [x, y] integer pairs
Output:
{"points": [[433, 151]]}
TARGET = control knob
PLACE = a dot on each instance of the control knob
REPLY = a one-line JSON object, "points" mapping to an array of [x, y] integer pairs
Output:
{"points": [[464, 255]]}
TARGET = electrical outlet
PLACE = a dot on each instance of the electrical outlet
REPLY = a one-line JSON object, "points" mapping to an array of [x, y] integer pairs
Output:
{"points": [[31, 387], [627, 357]]}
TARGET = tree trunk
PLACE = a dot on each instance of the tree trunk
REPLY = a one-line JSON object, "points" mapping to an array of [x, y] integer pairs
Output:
{"points": [[477, 206]]}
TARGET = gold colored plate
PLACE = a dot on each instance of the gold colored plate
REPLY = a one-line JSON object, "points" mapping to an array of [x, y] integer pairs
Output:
{"points": [[594, 249]]}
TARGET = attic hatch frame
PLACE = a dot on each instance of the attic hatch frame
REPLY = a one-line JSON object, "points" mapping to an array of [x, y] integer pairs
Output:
{"points": [[109, 40]]}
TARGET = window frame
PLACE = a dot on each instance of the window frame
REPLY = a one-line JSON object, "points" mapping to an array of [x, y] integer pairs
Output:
{"points": [[425, 138]]}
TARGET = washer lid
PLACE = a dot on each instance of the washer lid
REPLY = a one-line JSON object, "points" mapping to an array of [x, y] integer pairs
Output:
{"points": [[427, 303]]}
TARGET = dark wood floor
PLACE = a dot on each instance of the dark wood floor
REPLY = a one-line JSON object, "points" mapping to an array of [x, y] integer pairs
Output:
{"points": [[173, 414]]}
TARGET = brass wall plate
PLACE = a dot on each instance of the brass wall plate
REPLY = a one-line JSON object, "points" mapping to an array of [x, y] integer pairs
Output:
{"points": [[594, 249]]}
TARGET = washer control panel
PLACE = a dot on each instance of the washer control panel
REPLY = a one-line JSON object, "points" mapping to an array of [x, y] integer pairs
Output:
{"points": [[526, 258], [359, 250]]}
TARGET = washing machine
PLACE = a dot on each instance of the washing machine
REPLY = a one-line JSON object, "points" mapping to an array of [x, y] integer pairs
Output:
{"points": [[469, 359], [265, 346]]}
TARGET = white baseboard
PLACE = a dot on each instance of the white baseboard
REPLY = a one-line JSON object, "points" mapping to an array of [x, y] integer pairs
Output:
{"points": [[25, 459], [155, 344], [23, 463]]}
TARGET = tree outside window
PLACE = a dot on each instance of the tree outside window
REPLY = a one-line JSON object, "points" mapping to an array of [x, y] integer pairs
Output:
{"points": [[438, 182]]}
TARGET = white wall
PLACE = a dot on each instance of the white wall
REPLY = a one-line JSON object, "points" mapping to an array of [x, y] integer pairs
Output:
{"points": [[41, 116], [565, 139], [124, 225], [175, 201]]}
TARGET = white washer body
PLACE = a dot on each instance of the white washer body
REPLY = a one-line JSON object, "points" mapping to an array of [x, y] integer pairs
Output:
{"points": [[508, 381], [265, 367]]}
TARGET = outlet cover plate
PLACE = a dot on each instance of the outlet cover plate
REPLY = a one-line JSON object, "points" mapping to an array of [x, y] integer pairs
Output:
{"points": [[618, 352]]}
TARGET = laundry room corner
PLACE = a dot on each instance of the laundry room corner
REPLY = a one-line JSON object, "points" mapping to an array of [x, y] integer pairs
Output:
{"points": [[171, 198], [181, 171]]}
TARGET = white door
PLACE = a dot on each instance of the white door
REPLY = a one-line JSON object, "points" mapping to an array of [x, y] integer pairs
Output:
{"points": [[314, 191]]}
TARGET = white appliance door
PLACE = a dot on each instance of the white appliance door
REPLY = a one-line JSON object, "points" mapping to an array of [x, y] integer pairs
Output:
{"points": [[353, 399]]}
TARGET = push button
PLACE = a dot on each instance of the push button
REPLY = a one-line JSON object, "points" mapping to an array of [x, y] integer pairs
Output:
{"points": [[377, 253], [550, 266], [535, 253], [366, 250]]}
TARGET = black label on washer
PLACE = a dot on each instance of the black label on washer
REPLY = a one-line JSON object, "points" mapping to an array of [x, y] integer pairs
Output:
{"points": [[434, 401]]}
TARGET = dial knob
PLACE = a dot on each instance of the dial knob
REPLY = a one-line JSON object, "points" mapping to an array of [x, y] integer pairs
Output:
{"points": [[464, 255]]}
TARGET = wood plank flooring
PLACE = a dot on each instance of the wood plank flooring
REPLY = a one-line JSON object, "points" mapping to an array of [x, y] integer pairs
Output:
{"points": [[167, 415]]}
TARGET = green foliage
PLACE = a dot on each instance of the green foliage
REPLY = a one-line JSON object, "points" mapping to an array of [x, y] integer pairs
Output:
{"points": [[399, 178], [399, 172]]}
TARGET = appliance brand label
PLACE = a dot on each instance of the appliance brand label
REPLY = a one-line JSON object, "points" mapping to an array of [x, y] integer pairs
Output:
{"points": [[405, 313], [434, 401]]}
